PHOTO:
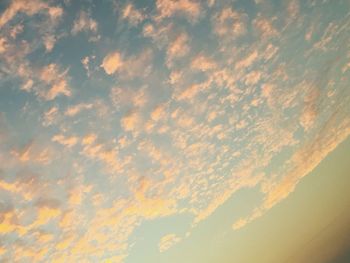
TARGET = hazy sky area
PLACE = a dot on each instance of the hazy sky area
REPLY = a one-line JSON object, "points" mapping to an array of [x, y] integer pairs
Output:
{"points": [[167, 131]]}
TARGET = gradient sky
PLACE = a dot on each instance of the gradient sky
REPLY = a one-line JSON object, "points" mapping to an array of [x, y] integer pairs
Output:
{"points": [[174, 131]]}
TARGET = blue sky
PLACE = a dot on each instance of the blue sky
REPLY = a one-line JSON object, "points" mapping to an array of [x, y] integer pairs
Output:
{"points": [[126, 126]]}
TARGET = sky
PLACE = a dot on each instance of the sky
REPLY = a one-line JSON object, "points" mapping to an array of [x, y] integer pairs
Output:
{"points": [[174, 131]]}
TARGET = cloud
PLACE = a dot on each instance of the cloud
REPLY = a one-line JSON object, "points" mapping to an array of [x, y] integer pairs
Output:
{"points": [[132, 15], [65, 141], [50, 116], [293, 9], [49, 42], [16, 30], [76, 109], [89, 139], [159, 113], [177, 48], [112, 62], [46, 27], [115, 259], [131, 121], [17, 6], [45, 213], [139, 65], [3, 250], [152, 151], [168, 8], [3, 45], [303, 161], [230, 23], [242, 222], [247, 180], [265, 27], [7, 224], [65, 243], [51, 75], [183, 119], [121, 97], [59, 88], [55, 12], [159, 33], [85, 23], [202, 63], [168, 241], [34, 153], [128, 67], [87, 61], [239, 224], [190, 92], [252, 78], [44, 237], [108, 156], [180, 124], [247, 61], [310, 108], [77, 194], [26, 185]]}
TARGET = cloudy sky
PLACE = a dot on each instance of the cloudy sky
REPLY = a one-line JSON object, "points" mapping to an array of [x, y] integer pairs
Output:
{"points": [[174, 131]]}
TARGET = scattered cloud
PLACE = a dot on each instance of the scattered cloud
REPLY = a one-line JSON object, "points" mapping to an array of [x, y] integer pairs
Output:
{"points": [[132, 15], [76, 109], [112, 62], [128, 67], [202, 63], [56, 79], [168, 8], [17, 6], [65, 141], [173, 111], [131, 121], [229, 22], [168, 241], [85, 23]]}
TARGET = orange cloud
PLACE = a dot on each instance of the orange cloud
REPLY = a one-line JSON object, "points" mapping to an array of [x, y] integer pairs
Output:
{"points": [[66, 141], [252, 78], [7, 224], [189, 93], [59, 85], [89, 139], [59, 88], [230, 23], [247, 61], [158, 113], [16, 6], [129, 67], [167, 8], [84, 23], [131, 121], [132, 15], [202, 63], [178, 48], [74, 110], [303, 161], [264, 27], [112, 62]]}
